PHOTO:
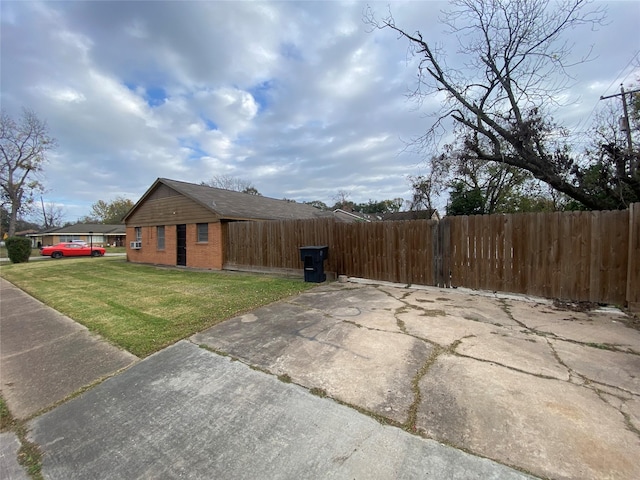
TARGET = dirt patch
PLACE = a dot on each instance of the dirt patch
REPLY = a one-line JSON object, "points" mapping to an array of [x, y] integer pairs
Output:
{"points": [[575, 306], [632, 321]]}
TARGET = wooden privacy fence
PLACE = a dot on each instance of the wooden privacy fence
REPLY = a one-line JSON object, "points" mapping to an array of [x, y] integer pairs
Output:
{"points": [[577, 256]]}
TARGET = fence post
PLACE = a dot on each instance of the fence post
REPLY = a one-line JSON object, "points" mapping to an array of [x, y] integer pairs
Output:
{"points": [[633, 277]]}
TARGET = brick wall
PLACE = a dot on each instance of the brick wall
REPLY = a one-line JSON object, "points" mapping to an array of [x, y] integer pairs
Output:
{"points": [[199, 255], [204, 255]]}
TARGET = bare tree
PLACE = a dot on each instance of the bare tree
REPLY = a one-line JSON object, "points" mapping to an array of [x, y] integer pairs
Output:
{"points": [[342, 201], [23, 149], [52, 214], [424, 191], [227, 182], [514, 67]]}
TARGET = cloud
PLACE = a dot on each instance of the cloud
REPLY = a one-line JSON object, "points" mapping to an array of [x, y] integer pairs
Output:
{"points": [[297, 97]]}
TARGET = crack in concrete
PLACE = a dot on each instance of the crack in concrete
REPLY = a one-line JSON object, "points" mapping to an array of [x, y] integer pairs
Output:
{"points": [[412, 414], [627, 418], [586, 382], [508, 367], [592, 385], [541, 333]]}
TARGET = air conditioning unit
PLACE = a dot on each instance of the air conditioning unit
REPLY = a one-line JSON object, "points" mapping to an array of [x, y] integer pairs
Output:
{"points": [[135, 245]]}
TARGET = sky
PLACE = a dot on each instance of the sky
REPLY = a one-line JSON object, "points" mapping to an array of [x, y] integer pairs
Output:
{"points": [[299, 98]]}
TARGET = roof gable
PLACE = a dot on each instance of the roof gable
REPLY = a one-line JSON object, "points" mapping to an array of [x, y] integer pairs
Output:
{"points": [[231, 205]]}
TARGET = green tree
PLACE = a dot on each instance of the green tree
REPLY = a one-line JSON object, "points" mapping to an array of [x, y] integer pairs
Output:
{"points": [[18, 249], [109, 213], [609, 158], [496, 188], [24, 145], [380, 207], [465, 201], [513, 61]]}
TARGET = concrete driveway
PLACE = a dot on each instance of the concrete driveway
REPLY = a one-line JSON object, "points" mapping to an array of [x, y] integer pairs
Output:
{"points": [[547, 390], [517, 382]]}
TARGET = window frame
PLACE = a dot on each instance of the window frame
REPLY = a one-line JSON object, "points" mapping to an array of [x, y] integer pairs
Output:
{"points": [[160, 237], [202, 232]]}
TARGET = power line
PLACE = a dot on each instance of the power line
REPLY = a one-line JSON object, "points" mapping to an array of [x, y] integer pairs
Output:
{"points": [[630, 71], [622, 70], [585, 121]]}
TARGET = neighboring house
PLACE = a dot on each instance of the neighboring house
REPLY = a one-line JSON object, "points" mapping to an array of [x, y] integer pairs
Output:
{"points": [[29, 234], [179, 223], [351, 217], [96, 233], [412, 215]]}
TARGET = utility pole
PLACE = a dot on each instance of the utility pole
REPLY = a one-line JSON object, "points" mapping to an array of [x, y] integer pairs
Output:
{"points": [[633, 166], [44, 213]]}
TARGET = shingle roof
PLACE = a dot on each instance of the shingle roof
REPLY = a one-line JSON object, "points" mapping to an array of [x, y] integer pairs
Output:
{"points": [[350, 217], [231, 205], [85, 228]]}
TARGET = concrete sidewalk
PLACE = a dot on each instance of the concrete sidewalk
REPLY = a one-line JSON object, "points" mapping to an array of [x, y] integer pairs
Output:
{"points": [[46, 356], [186, 412]]}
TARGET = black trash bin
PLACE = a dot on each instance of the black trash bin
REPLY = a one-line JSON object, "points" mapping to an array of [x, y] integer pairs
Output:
{"points": [[313, 258]]}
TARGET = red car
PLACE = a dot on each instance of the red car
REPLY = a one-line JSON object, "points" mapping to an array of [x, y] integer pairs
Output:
{"points": [[72, 249]]}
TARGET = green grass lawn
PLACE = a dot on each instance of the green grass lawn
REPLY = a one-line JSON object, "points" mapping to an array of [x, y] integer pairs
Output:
{"points": [[144, 308], [35, 252]]}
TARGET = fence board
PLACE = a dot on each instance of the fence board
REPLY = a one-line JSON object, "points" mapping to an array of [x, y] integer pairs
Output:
{"points": [[572, 256], [508, 281]]}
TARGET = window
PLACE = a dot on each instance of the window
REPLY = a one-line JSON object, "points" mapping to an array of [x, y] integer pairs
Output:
{"points": [[138, 234], [160, 235], [203, 232]]}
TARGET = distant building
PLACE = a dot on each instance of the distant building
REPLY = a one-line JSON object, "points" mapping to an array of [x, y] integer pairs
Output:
{"points": [[412, 215], [96, 233]]}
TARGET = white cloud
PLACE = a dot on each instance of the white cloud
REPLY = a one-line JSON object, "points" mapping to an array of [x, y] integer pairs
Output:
{"points": [[297, 97], [230, 109]]}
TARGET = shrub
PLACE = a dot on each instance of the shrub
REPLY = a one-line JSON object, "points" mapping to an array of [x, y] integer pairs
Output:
{"points": [[18, 249]]}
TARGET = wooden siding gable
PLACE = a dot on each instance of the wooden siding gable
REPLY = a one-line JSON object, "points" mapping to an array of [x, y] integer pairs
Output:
{"points": [[167, 195], [163, 205]]}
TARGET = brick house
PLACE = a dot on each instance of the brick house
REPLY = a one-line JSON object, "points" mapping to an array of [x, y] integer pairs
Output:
{"points": [[179, 223]]}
